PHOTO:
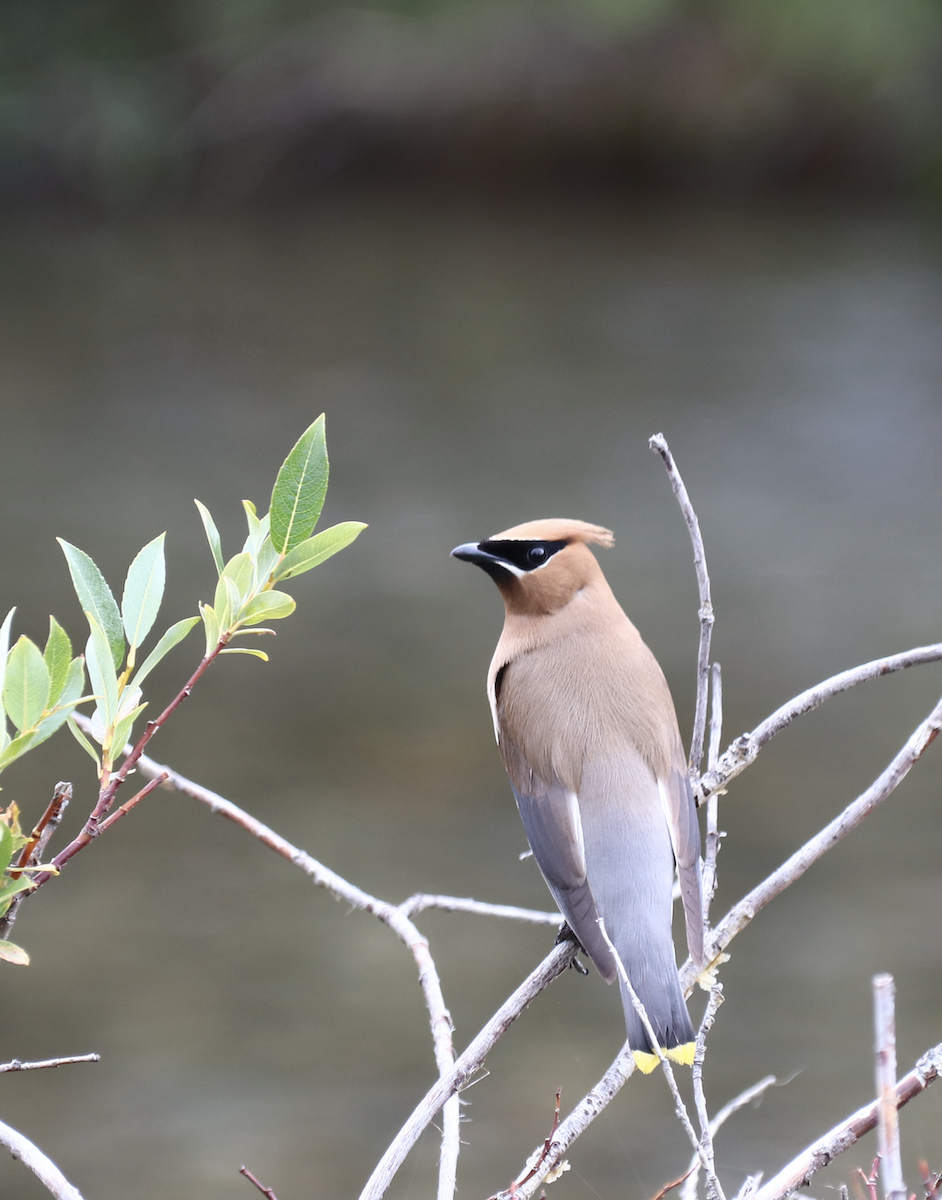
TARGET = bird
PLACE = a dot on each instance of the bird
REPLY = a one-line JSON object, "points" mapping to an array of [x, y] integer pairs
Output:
{"points": [[588, 735]]}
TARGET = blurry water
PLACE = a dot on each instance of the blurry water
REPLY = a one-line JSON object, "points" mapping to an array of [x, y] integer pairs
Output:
{"points": [[478, 368]]}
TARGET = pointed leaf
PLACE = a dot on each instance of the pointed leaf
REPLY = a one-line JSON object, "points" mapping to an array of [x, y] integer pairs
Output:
{"points": [[5, 646], [298, 495], [245, 650], [6, 846], [267, 606], [101, 673], [13, 954], [95, 597], [13, 750], [302, 558], [122, 731], [254, 539], [212, 535], [176, 633], [211, 625], [65, 705], [58, 659], [144, 591], [83, 741], [265, 562], [26, 685]]}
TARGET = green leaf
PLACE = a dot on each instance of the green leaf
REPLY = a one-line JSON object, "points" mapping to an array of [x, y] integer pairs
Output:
{"points": [[300, 487], [245, 650], [5, 646], [13, 954], [211, 625], [6, 846], [13, 750], [143, 591], [267, 606], [122, 730], [101, 673], [84, 742], [256, 534], [308, 554], [95, 597], [58, 659], [234, 587], [71, 693], [212, 535], [176, 633], [26, 685]]}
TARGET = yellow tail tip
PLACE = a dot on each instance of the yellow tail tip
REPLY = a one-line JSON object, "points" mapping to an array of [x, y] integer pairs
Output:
{"points": [[646, 1062], [682, 1054]]}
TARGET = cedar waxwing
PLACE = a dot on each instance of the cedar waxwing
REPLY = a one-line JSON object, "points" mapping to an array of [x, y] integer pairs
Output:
{"points": [[588, 735]]}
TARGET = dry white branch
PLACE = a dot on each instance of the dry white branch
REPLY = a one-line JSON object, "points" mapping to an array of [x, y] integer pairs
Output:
{"points": [[42, 1167], [705, 1155], [422, 901], [799, 1171], [689, 1190], [745, 748], [658, 443], [712, 848], [884, 1022], [16, 1065], [742, 913], [466, 1066]]}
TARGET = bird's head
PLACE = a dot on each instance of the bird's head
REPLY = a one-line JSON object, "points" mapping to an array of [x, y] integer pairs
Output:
{"points": [[541, 565]]}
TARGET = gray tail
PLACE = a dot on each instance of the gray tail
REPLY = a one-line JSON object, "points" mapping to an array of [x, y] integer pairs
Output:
{"points": [[660, 993]]}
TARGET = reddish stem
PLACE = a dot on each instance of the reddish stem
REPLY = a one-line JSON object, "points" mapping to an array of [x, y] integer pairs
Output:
{"points": [[251, 1178], [94, 824]]}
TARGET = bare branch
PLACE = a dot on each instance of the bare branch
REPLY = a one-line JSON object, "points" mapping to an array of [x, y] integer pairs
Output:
{"points": [[712, 818], [466, 1066], [891, 1167], [32, 852], [16, 1065], [705, 1154], [752, 1093], [422, 901], [266, 1191], [42, 1167], [800, 1170], [745, 748], [659, 444], [742, 913]]}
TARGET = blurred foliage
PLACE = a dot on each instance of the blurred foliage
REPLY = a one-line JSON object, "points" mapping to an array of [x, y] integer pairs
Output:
{"points": [[113, 102]]}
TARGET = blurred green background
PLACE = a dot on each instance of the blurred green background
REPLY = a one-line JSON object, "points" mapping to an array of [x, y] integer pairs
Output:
{"points": [[501, 246], [111, 102]]}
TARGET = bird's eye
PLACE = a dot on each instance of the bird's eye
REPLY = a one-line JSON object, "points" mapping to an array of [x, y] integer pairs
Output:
{"points": [[537, 555]]}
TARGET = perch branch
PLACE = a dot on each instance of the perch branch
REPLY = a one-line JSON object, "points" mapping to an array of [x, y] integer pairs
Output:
{"points": [[884, 1021], [658, 443], [421, 901], [15, 1065], [793, 868], [689, 1190], [42, 1167], [745, 748], [799, 1171]]}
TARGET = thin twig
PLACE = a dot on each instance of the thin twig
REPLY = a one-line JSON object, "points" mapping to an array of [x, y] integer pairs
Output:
{"points": [[422, 901], [884, 1021], [466, 1066], [32, 852], [799, 1171], [680, 1108], [42, 1167], [596, 1100], [106, 795], [712, 818], [734, 1105], [658, 443], [266, 1191], [745, 748], [742, 913], [15, 1065], [706, 1154]]}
